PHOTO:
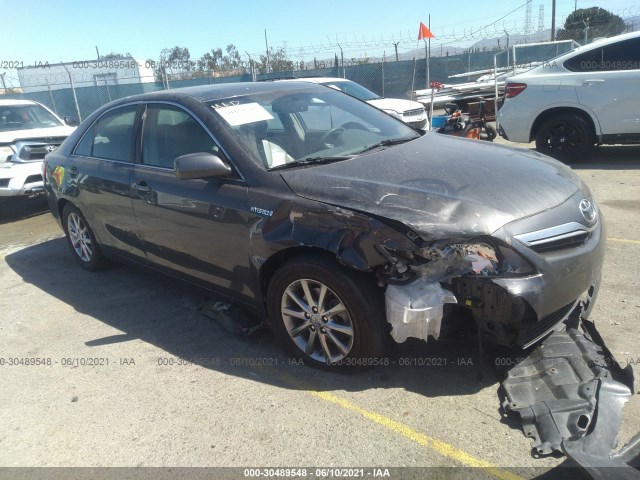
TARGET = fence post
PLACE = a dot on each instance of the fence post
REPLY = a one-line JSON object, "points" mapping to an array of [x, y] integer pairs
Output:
{"points": [[107, 85], [73, 89], [53, 103], [413, 79], [383, 58]]}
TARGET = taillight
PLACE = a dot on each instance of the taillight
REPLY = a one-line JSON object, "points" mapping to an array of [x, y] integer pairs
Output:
{"points": [[514, 89]]}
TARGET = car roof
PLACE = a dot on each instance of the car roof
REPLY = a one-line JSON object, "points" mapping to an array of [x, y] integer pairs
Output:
{"points": [[206, 93], [322, 79]]}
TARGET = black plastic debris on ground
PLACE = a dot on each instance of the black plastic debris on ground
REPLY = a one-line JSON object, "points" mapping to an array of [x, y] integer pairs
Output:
{"points": [[569, 393], [233, 319]]}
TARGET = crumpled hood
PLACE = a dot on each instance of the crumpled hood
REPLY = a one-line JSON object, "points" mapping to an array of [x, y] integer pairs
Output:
{"points": [[12, 136], [396, 104], [440, 185]]}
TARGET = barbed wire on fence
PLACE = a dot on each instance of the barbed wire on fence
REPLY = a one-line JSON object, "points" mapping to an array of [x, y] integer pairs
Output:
{"points": [[389, 65]]}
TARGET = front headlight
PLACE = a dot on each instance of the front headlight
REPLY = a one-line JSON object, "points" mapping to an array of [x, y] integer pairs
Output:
{"points": [[482, 258], [6, 153], [393, 113]]}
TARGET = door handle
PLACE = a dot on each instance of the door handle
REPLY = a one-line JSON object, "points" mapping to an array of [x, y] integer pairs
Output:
{"points": [[593, 81], [141, 186]]}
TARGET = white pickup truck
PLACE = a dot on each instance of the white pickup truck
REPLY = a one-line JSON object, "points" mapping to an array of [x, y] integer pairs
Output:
{"points": [[28, 131]]}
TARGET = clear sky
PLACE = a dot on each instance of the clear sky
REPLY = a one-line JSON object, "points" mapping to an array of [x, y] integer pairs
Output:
{"points": [[39, 31]]}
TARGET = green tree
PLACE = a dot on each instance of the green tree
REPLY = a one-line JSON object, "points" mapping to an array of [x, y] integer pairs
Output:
{"points": [[174, 63], [115, 55], [210, 61], [591, 23], [278, 61], [232, 60]]}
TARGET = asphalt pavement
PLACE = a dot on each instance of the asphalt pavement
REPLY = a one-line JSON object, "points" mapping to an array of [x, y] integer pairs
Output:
{"points": [[121, 369]]}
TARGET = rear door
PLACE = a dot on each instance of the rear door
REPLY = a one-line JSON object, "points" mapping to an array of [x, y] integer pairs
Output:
{"points": [[196, 228], [98, 174], [608, 79]]}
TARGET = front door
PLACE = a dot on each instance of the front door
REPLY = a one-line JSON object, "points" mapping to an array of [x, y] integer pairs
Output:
{"points": [[197, 228]]}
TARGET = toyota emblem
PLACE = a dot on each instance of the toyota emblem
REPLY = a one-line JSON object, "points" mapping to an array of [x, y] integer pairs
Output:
{"points": [[588, 210], [50, 148]]}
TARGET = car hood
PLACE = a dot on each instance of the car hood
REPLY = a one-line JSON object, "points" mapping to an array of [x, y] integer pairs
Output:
{"points": [[12, 136], [396, 104], [440, 185]]}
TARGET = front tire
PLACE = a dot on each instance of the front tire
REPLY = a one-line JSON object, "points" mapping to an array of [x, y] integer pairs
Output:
{"points": [[81, 239], [327, 316], [566, 137]]}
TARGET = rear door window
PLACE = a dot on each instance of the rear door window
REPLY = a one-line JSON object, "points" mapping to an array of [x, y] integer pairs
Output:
{"points": [[624, 55], [111, 137]]}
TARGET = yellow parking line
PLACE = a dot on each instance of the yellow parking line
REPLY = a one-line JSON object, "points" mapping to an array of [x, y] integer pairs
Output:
{"points": [[623, 240], [443, 448]]}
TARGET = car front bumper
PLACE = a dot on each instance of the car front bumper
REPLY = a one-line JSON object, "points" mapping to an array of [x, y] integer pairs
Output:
{"points": [[18, 179]]}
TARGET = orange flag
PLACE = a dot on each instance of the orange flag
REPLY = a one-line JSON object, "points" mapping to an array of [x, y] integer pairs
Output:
{"points": [[424, 32]]}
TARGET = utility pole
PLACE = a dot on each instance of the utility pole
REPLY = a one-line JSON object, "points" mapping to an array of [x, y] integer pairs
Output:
{"points": [[395, 45], [3, 84], [266, 44], [553, 20], [586, 31], [97, 52]]}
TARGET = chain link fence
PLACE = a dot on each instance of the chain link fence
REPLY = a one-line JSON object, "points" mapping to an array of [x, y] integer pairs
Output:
{"points": [[77, 89]]}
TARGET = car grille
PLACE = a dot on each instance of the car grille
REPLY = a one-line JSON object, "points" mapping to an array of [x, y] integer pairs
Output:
{"points": [[544, 326], [561, 237]]}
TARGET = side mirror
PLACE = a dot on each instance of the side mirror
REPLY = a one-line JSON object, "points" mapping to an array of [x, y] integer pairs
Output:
{"points": [[71, 121], [200, 165]]}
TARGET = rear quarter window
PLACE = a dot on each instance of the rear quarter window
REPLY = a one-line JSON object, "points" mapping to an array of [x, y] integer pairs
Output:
{"points": [[623, 55]]}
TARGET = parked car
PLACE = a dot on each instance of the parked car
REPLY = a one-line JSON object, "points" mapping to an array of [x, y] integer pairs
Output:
{"points": [[408, 111], [340, 223], [28, 131], [585, 97]]}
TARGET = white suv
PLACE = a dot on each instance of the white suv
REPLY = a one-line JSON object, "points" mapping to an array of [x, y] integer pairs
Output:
{"points": [[408, 111], [590, 95], [28, 131]]}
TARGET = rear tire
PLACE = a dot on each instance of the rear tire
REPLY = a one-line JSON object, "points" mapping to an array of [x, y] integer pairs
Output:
{"points": [[81, 239], [566, 136], [326, 315]]}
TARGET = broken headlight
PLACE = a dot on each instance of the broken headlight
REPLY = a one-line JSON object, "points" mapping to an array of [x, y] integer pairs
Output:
{"points": [[454, 259], [5, 153]]}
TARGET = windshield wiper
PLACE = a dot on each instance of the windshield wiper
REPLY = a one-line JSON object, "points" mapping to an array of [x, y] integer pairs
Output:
{"points": [[387, 143], [312, 161]]}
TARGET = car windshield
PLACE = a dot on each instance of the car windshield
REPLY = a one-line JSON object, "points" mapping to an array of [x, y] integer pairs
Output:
{"points": [[353, 89], [24, 117], [288, 128]]}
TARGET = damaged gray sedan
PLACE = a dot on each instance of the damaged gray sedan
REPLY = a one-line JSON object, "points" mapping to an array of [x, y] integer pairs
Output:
{"points": [[341, 224]]}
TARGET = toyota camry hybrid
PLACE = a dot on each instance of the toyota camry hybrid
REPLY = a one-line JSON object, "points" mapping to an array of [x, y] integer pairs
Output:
{"points": [[340, 224]]}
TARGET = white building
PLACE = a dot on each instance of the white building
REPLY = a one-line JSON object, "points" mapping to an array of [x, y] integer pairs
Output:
{"points": [[105, 71]]}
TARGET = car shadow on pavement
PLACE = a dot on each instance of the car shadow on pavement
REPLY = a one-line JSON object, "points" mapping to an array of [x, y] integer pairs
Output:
{"points": [[608, 157], [167, 314], [13, 209]]}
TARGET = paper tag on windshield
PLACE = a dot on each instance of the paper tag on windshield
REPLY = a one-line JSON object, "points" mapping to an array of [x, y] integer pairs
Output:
{"points": [[244, 113]]}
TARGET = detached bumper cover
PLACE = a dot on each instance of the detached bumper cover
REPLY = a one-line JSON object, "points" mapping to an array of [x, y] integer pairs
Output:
{"points": [[569, 393]]}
